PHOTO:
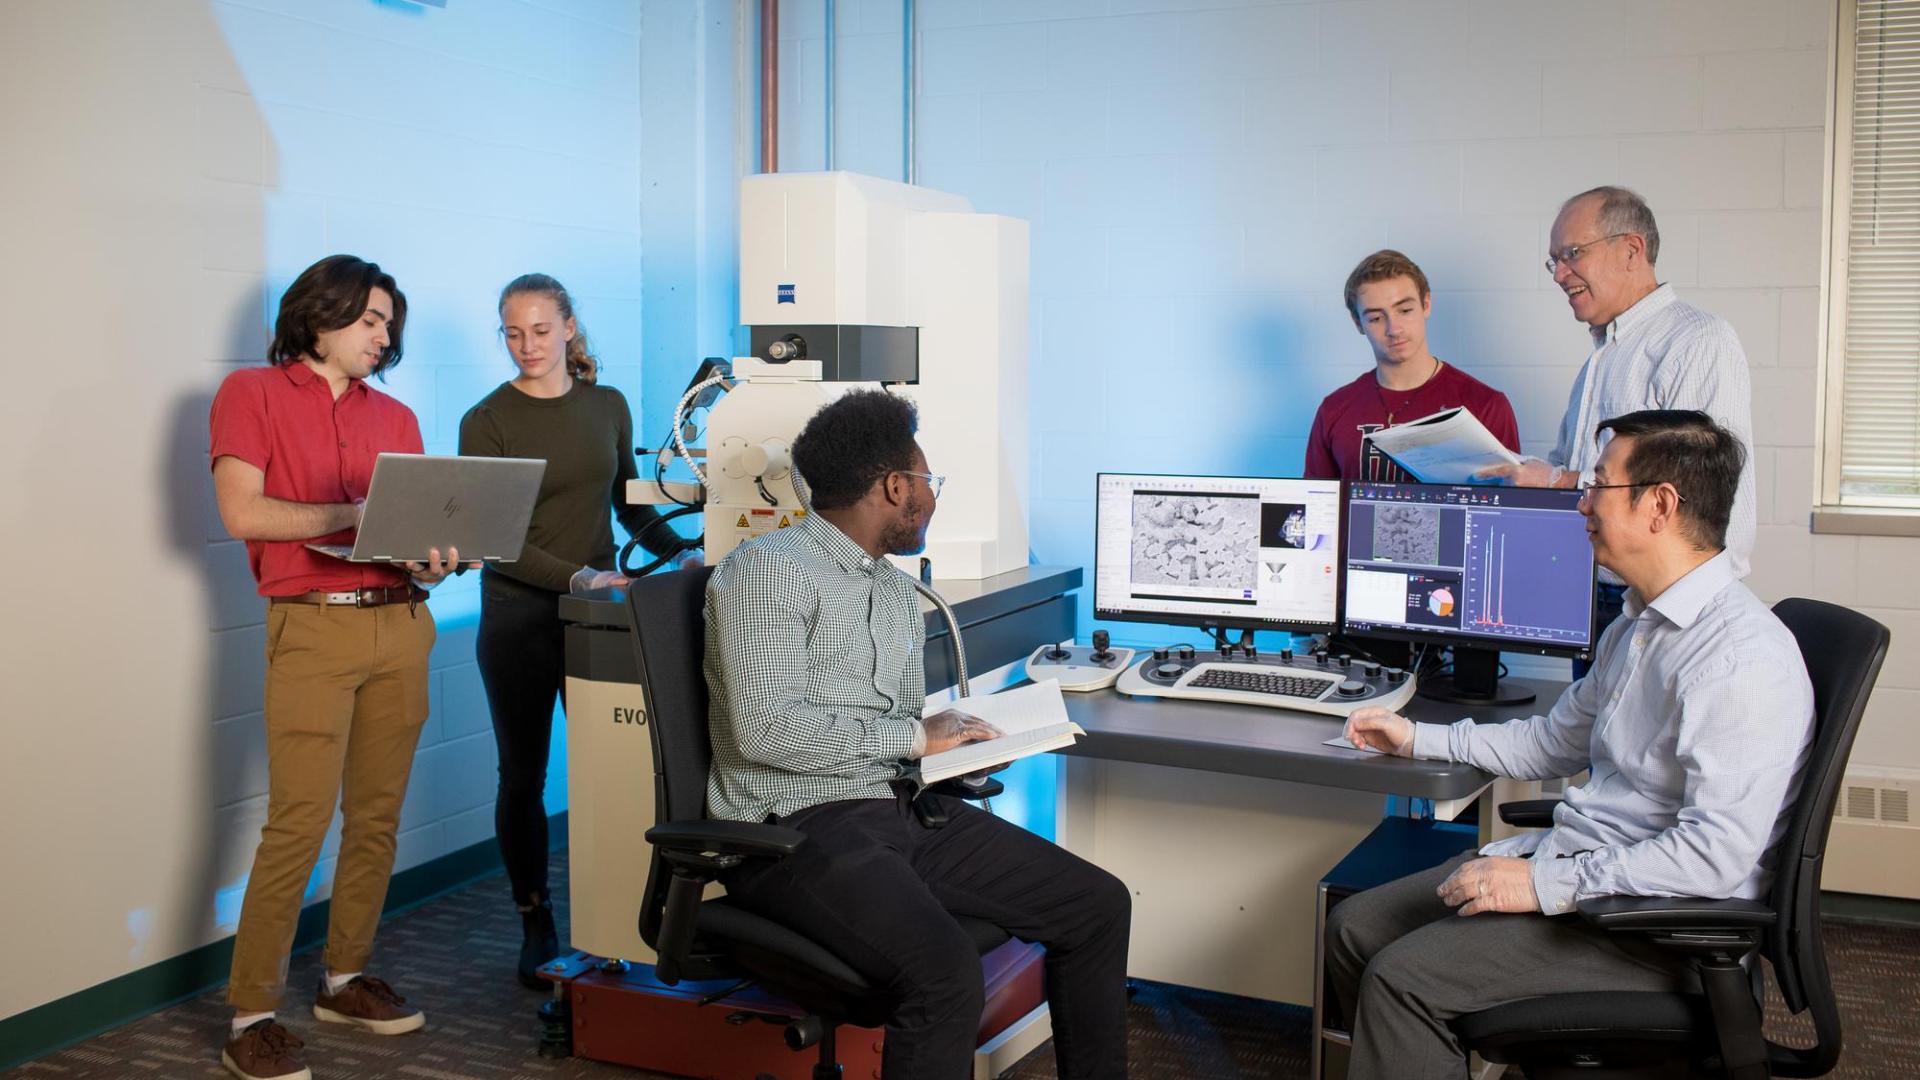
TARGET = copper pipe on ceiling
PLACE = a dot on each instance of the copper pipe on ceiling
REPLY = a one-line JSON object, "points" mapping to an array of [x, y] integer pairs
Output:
{"points": [[769, 86]]}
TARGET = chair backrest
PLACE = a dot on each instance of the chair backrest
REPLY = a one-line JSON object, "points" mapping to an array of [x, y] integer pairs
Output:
{"points": [[1843, 651], [669, 644]]}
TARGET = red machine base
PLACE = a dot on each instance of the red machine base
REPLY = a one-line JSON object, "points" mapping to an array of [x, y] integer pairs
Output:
{"points": [[631, 1018]]}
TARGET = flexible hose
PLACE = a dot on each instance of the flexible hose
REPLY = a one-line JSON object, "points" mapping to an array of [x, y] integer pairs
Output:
{"points": [[679, 415], [957, 647]]}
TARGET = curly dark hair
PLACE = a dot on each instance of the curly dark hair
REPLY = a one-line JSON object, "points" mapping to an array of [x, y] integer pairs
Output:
{"points": [[328, 295], [853, 442]]}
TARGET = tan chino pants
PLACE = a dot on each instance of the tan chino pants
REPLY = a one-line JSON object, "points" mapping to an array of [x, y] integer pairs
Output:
{"points": [[346, 696]]}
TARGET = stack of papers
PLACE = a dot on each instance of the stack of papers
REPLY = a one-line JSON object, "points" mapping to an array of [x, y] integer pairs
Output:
{"points": [[1448, 447]]}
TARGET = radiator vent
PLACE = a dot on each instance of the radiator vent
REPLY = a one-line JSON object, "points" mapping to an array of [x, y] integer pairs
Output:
{"points": [[1879, 800]]}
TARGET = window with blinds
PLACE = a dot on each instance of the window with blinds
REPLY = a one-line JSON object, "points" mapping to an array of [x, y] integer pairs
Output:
{"points": [[1874, 323]]}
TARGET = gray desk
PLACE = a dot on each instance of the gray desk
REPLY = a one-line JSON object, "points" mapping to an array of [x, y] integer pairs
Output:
{"points": [[1222, 819], [1278, 745]]}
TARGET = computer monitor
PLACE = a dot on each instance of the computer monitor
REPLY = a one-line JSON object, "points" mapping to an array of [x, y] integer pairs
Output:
{"points": [[1218, 552], [1482, 569]]}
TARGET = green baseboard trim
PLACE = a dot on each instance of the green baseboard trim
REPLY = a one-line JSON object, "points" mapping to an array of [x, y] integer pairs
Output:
{"points": [[1873, 910], [83, 1014]]}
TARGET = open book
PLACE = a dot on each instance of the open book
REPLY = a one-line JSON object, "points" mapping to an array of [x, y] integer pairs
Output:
{"points": [[1445, 448], [1032, 720]]}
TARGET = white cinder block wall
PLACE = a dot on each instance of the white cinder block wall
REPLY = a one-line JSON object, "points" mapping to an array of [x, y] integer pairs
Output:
{"points": [[1202, 175], [179, 163], [1199, 176]]}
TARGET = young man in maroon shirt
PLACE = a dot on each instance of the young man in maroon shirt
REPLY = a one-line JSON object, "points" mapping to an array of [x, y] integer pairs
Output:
{"points": [[293, 450], [1388, 298]]}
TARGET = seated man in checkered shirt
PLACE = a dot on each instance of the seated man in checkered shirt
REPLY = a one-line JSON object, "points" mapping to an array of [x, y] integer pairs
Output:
{"points": [[813, 656]]}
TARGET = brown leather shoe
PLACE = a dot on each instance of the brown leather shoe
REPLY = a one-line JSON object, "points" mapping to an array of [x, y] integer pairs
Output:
{"points": [[368, 1004], [265, 1051]]}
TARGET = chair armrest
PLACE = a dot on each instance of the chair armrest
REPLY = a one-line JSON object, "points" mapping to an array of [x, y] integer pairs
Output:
{"points": [[973, 788], [698, 852], [1667, 913], [751, 838], [1529, 813]]}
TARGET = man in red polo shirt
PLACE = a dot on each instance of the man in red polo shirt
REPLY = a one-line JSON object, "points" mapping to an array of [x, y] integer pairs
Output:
{"points": [[293, 450], [1388, 298]]}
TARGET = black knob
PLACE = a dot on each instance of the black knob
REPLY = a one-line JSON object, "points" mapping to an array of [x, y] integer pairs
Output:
{"points": [[1370, 669], [1343, 661], [1352, 688], [1186, 652], [1320, 658], [1169, 671], [1057, 654], [1160, 654], [1396, 676], [1249, 651], [1286, 656], [1101, 639]]}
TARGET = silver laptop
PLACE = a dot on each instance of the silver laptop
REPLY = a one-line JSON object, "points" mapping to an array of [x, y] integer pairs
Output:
{"points": [[480, 505]]}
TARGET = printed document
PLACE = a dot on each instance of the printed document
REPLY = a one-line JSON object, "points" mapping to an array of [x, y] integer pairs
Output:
{"points": [[1032, 720], [1448, 447]]}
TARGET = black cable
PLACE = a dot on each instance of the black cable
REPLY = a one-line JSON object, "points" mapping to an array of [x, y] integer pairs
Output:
{"points": [[680, 543]]}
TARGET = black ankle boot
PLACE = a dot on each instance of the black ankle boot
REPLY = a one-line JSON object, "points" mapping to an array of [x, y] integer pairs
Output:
{"points": [[539, 943]]}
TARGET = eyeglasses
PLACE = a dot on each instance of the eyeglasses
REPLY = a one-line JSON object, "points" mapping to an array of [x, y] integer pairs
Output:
{"points": [[1587, 488], [1573, 253], [933, 481]]}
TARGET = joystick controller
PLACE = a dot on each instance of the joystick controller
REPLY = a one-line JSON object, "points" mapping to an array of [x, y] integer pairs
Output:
{"points": [[1101, 654], [1079, 667]]}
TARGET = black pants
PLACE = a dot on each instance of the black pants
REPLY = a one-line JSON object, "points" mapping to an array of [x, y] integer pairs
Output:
{"points": [[522, 663], [880, 890]]}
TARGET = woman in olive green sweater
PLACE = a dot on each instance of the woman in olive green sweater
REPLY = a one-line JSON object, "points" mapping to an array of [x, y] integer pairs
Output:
{"points": [[554, 410]]}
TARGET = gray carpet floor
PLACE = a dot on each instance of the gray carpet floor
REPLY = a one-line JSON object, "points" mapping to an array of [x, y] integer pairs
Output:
{"points": [[454, 957]]}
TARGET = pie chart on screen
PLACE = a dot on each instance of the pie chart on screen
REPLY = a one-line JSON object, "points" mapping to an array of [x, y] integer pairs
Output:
{"points": [[1440, 602]]}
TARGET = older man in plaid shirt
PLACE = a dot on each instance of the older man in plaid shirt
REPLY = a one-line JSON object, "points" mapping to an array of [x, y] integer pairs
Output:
{"points": [[814, 645]]}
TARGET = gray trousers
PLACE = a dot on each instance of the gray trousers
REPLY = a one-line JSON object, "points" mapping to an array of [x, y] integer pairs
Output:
{"points": [[1403, 964]]}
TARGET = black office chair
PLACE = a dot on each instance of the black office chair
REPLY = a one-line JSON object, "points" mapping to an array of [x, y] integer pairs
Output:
{"points": [[1716, 1033], [713, 939]]}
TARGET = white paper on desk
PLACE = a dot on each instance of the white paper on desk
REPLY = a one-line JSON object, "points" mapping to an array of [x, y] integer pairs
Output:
{"points": [[1032, 720], [1341, 742], [1448, 447]]}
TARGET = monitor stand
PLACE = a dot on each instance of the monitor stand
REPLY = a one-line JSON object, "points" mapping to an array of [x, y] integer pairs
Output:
{"points": [[1476, 681]]}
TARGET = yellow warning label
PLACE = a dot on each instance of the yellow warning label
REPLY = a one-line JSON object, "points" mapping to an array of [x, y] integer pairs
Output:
{"points": [[783, 522], [742, 523]]}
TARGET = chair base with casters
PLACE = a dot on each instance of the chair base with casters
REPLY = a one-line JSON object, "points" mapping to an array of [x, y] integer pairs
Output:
{"points": [[1718, 1032]]}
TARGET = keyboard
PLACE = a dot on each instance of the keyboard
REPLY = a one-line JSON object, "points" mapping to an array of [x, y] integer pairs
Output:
{"points": [[1262, 682], [1298, 683]]}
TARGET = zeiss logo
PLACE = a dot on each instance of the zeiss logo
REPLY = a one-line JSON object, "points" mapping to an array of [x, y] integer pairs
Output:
{"points": [[783, 294]]}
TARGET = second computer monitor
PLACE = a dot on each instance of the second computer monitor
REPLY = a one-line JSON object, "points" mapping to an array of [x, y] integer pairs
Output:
{"points": [[1223, 552], [1494, 567]]}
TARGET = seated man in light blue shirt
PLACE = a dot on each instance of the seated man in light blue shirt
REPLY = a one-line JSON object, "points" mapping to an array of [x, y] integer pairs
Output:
{"points": [[1694, 721]]}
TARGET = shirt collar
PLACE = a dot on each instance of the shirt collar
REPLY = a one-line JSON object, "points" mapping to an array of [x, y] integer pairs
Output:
{"points": [[1681, 603], [300, 373], [1642, 309], [838, 545]]}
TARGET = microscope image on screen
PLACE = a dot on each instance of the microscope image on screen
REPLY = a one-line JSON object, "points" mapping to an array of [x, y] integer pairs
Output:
{"points": [[1407, 534], [1206, 540]]}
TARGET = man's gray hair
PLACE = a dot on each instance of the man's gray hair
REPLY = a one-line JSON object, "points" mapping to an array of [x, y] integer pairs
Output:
{"points": [[1623, 211]]}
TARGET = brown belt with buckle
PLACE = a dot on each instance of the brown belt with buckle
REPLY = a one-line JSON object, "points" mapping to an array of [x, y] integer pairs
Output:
{"points": [[396, 594]]}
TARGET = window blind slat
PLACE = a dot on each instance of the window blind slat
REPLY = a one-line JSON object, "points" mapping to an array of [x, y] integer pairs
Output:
{"points": [[1880, 401]]}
